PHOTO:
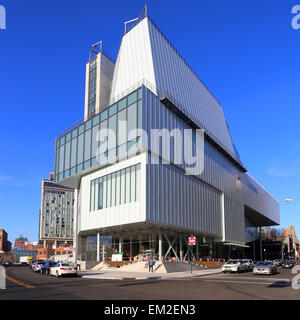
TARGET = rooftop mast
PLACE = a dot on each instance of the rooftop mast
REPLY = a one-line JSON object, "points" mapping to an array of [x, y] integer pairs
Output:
{"points": [[144, 11]]}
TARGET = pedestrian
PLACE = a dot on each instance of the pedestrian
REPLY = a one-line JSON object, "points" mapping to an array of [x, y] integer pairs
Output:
{"points": [[47, 268], [151, 264]]}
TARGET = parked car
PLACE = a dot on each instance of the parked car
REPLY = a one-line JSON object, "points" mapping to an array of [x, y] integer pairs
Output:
{"points": [[236, 265], [265, 267], [287, 264], [62, 269], [39, 266], [249, 263]]}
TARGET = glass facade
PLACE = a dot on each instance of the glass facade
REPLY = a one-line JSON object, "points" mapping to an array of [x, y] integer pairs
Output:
{"points": [[92, 87], [115, 189], [78, 150]]}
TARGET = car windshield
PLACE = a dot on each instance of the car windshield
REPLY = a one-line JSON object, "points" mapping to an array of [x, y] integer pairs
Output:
{"points": [[65, 265], [41, 263], [232, 262], [263, 263]]}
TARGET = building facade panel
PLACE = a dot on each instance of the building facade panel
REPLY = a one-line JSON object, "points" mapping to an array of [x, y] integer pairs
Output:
{"points": [[127, 212], [218, 170], [177, 200], [56, 213]]}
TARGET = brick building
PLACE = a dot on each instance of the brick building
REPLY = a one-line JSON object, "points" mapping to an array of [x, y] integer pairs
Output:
{"points": [[20, 242], [5, 245]]}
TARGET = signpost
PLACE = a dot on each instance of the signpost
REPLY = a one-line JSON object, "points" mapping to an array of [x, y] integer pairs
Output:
{"points": [[192, 243]]}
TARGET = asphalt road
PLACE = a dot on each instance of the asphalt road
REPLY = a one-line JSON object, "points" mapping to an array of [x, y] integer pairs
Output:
{"points": [[22, 283]]}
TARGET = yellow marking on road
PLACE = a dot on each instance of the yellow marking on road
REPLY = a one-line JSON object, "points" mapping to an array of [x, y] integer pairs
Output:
{"points": [[17, 281]]}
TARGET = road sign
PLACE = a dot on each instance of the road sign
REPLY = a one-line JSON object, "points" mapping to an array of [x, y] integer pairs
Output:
{"points": [[192, 241]]}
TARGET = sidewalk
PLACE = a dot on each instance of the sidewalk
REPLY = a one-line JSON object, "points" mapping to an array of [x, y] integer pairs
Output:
{"points": [[118, 275]]}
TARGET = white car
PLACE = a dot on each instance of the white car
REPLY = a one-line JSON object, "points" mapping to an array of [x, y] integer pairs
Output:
{"points": [[236, 265], [62, 269]]}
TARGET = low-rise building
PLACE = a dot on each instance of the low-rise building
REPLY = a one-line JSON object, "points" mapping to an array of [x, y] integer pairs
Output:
{"points": [[5, 245], [20, 242], [55, 254]]}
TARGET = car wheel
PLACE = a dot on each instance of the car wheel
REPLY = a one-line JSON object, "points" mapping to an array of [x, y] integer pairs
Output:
{"points": [[57, 275], [238, 270]]}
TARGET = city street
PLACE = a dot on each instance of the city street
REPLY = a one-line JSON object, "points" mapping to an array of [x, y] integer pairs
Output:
{"points": [[22, 283]]}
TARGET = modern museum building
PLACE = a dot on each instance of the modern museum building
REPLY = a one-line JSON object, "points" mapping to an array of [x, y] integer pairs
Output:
{"points": [[153, 161]]}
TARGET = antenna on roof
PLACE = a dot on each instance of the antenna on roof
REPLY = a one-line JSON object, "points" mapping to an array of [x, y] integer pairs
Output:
{"points": [[96, 48], [144, 11]]}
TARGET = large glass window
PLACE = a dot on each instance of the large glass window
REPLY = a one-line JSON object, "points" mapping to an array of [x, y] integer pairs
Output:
{"points": [[104, 192], [123, 184], [112, 123], [74, 151], [127, 197], [67, 157], [138, 182], [95, 143], [118, 188], [80, 149], [77, 150], [115, 189], [132, 121], [133, 183], [87, 145], [61, 158], [109, 191], [122, 128]]}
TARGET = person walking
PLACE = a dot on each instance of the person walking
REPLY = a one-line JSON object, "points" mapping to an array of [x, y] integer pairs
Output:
{"points": [[151, 264], [47, 268]]}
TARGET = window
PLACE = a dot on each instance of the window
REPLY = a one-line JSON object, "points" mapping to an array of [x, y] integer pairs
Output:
{"points": [[132, 121], [132, 98], [115, 189], [123, 177], [61, 158], [77, 150], [122, 104], [127, 197]]}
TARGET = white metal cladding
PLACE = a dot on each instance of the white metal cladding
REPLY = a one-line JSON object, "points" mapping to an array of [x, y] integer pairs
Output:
{"points": [[234, 221], [182, 201], [134, 62], [133, 212], [218, 171], [145, 53]]}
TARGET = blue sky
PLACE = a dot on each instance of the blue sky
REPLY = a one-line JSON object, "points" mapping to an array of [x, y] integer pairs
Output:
{"points": [[246, 52]]}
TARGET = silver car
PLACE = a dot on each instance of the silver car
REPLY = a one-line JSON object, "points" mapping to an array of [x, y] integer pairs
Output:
{"points": [[265, 267], [249, 263]]}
